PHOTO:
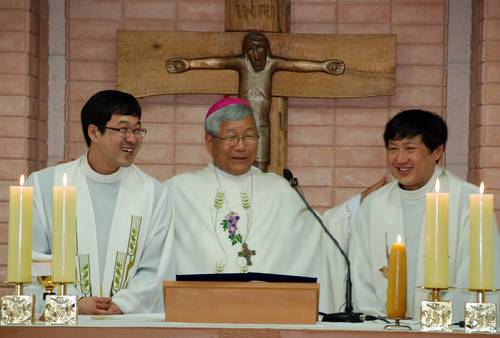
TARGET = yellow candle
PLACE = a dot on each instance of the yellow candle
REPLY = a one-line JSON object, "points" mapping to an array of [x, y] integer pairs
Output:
{"points": [[481, 240], [436, 240], [20, 232], [396, 286], [63, 233]]}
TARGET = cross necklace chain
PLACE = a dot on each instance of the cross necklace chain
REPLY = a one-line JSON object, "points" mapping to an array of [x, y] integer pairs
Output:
{"points": [[245, 253]]}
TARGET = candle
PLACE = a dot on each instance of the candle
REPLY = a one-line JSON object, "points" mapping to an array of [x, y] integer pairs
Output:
{"points": [[481, 240], [436, 239], [63, 233], [20, 232], [396, 286]]}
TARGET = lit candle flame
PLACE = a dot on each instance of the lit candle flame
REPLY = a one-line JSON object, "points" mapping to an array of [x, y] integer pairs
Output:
{"points": [[65, 180], [21, 180], [481, 188], [436, 188], [399, 238]]}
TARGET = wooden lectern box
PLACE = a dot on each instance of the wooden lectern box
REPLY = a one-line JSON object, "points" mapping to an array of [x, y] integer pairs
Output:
{"points": [[241, 302]]}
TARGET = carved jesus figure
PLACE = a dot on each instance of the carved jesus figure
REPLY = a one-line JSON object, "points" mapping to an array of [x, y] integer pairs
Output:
{"points": [[256, 66]]}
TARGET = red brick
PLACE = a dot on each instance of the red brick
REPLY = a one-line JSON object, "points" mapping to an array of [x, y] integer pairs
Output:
{"points": [[158, 99], [17, 127], [418, 96], [420, 55], [491, 177], [95, 29], [489, 135], [92, 71], [155, 154], [92, 50], [489, 93], [199, 26], [310, 156], [4, 217], [189, 134], [375, 101], [75, 150], [311, 116], [313, 176], [13, 20], [490, 51], [343, 194], [14, 84], [12, 169], [3, 253], [363, 28], [362, 116], [191, 154], [491, 29], [313, 27], [157, 113], [159, 133], [191, 99], [20, 4], [360, 157], [14, 105], [150, 10], [200, 10], [364, 13], [102, 9], [491, 72], [313, 13], [160, 172], [74, 132], [420, 75], [489, 157], [358, 177], [418, 12], [359, 136], [491, 9], [303, 135], [149, 25], [490, 114], [15, 148], [179, 169], [82, 91], [34, 23], [419, 33], [318, 197], [191, 113]]}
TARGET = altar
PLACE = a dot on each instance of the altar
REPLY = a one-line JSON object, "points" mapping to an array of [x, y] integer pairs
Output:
{"points": [[153, 325]]}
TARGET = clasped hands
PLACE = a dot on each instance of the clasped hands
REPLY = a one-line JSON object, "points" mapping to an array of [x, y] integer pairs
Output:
{"points": [[98, 306]]}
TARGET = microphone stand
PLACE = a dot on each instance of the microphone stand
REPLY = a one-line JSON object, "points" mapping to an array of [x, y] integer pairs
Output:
{"points": [[348, 315]]}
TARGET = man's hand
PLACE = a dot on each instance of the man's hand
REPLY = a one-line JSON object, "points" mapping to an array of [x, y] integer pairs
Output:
{"points": [[114, 310], [94, 305], [177, 65], [380, 183]]}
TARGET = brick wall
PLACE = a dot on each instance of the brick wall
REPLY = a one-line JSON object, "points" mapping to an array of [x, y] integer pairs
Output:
{"points": [[484, 144], [23, 99], [346, 152]]}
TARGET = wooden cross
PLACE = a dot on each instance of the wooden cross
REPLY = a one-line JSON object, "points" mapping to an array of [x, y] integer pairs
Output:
{"points": [[246, 253], [369, 63]]}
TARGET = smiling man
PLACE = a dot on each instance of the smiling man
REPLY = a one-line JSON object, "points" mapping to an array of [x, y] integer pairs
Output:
{"points": [[122, 218], [231, 217], [415, 141]]}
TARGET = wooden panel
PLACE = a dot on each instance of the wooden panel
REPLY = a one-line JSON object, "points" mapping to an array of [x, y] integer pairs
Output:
{"points": [[369, 60], [235, 302]]}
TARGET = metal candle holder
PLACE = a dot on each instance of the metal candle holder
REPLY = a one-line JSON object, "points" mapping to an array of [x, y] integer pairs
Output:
{"points": [[480, 316], [435, 315], [61, 309], [17, 309], [397, 325]]}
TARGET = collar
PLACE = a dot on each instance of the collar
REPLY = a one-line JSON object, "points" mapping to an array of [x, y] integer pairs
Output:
{"points": [[427, 187], [95, 176]]}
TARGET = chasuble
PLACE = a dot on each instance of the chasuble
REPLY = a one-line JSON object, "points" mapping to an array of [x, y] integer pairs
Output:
{"points": [[390, 211], [254, 222], [123, 225]]}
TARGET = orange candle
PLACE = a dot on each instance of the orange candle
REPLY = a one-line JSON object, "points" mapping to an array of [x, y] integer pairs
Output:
{"points": [[396, 287]]}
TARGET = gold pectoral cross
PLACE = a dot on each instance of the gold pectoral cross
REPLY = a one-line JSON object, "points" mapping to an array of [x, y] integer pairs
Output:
{"points": [[246, 253]]}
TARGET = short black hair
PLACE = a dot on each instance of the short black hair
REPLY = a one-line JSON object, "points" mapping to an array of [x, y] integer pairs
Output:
{"points": [[102, 105], [410, 123]]}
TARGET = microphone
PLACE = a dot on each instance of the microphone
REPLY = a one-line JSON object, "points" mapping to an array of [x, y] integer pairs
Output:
{"points": [[348, 315]]}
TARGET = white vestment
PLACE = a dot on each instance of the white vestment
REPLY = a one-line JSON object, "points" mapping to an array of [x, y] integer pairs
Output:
{"points": [[123, 223], [381, 218], [273, 221]]}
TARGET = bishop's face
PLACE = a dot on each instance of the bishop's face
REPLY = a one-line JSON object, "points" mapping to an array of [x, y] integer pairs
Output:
{"points": [[235, 159], [256, 52], [411, 162]]}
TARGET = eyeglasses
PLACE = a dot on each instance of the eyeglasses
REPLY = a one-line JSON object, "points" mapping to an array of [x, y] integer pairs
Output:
{"points": [[234, 140], [127, 131]]}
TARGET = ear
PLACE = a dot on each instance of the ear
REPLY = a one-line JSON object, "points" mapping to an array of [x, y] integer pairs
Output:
{"points": [[92, 132], [438, 153], [209, 143]]}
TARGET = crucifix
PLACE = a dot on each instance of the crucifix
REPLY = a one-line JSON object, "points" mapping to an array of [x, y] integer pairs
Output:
{"points": [[369, 62], [246, 253]]}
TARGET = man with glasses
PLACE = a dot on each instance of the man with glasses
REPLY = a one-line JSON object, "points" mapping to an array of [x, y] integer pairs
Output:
{"points": [[123, 222], [231, 217]]}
